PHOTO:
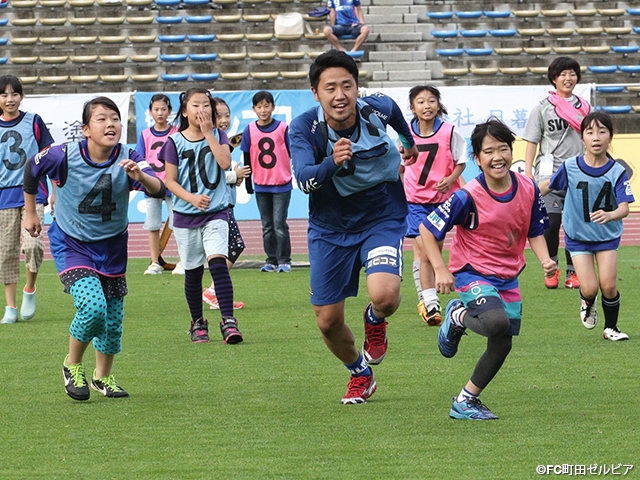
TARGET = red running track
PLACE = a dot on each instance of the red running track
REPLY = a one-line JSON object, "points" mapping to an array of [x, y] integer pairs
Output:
{"points": [[251, 231]]}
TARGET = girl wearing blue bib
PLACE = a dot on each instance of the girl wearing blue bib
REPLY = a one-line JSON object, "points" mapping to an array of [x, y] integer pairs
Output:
{"points": [[598, 197], [22, 135], [195, 162], [88, 238]]}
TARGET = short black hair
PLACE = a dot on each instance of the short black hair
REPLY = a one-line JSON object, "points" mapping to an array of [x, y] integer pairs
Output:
{"points": [[160, 97], [561, 64], [263, 95], [332, 59], [493, 127], [10, 80], [106, 102]]}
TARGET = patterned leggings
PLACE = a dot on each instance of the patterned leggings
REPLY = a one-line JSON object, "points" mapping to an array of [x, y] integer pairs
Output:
{"points": [[97, 317]]}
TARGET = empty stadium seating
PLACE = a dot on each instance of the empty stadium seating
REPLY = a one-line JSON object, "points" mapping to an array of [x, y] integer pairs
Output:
{"points": [[163, 44]]}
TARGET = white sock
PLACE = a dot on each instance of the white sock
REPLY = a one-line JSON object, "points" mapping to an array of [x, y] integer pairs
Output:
{"points": [[416, 279], [464, 394], [430, 298]]}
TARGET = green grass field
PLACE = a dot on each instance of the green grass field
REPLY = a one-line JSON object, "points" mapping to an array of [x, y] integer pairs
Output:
{"points": [[270, 407]]}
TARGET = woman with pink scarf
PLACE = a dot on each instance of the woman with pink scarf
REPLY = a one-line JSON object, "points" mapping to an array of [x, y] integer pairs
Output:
{"points": [[552, 134]]}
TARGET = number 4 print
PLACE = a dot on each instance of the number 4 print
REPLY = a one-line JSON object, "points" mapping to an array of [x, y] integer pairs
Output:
{"points": [[102, 187], [603, 200]]}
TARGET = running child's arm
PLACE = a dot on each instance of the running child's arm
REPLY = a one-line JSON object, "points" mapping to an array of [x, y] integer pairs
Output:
{"points": [[444, 184], [31, 222], [600, 216], [539, 246], [445, 282], [151, 184], [624, 196]]}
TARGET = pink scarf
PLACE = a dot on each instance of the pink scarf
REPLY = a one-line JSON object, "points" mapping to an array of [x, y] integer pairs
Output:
{"points": [[571, 114]]}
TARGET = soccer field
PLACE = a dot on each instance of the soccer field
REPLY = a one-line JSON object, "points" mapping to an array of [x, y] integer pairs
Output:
{"points": [[270, 407]]}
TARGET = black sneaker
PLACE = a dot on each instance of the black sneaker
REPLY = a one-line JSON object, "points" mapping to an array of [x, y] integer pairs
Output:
{"points": [[199, 331], [229, 330], [108, 387], [75, 383]]}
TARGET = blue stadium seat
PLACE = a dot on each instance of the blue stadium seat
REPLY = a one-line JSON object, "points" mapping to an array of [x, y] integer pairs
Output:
{"points": [[4, 40], [444, 33], [355, 53], [473, 33], [629, 68], [610, 89], [633, 11], [615, 108], [476, 52], [175, 77], [449, 52], [3, 21], [173, 57], [503, 32], [204, 77], [198, 18], [207, 37], [3, 60], [171, 19], [347, 37], [440, 15], [602, 68], [196, 2], [167, 3], [471, 14], [497, 13], [636, 29], [172, 38], [625, 48], [203, 57]]}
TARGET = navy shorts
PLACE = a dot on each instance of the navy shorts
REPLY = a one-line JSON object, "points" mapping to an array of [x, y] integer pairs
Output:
{"points": [[417, 214], [337, 258]]}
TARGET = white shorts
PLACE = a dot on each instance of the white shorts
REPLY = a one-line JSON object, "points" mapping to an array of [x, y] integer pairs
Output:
{"points": [[153, 220], [196, 245]]}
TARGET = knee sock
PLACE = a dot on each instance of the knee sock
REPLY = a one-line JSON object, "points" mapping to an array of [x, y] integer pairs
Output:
{"points": [[430, 298], [570, 268], [416, 279], [224, 287], [611, 307], [193, 291], [589, 301]]}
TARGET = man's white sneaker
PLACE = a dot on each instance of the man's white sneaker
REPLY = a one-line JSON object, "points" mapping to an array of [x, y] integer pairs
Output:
{"points": [[614, 334], [589, 314], [153, 269]]}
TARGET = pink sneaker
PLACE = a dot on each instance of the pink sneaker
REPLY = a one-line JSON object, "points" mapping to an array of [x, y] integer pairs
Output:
{"points": [[359, 389]]}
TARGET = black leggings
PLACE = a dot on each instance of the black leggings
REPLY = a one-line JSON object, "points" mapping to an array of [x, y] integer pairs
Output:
{"points": [[552, 236], [494, 325]]}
